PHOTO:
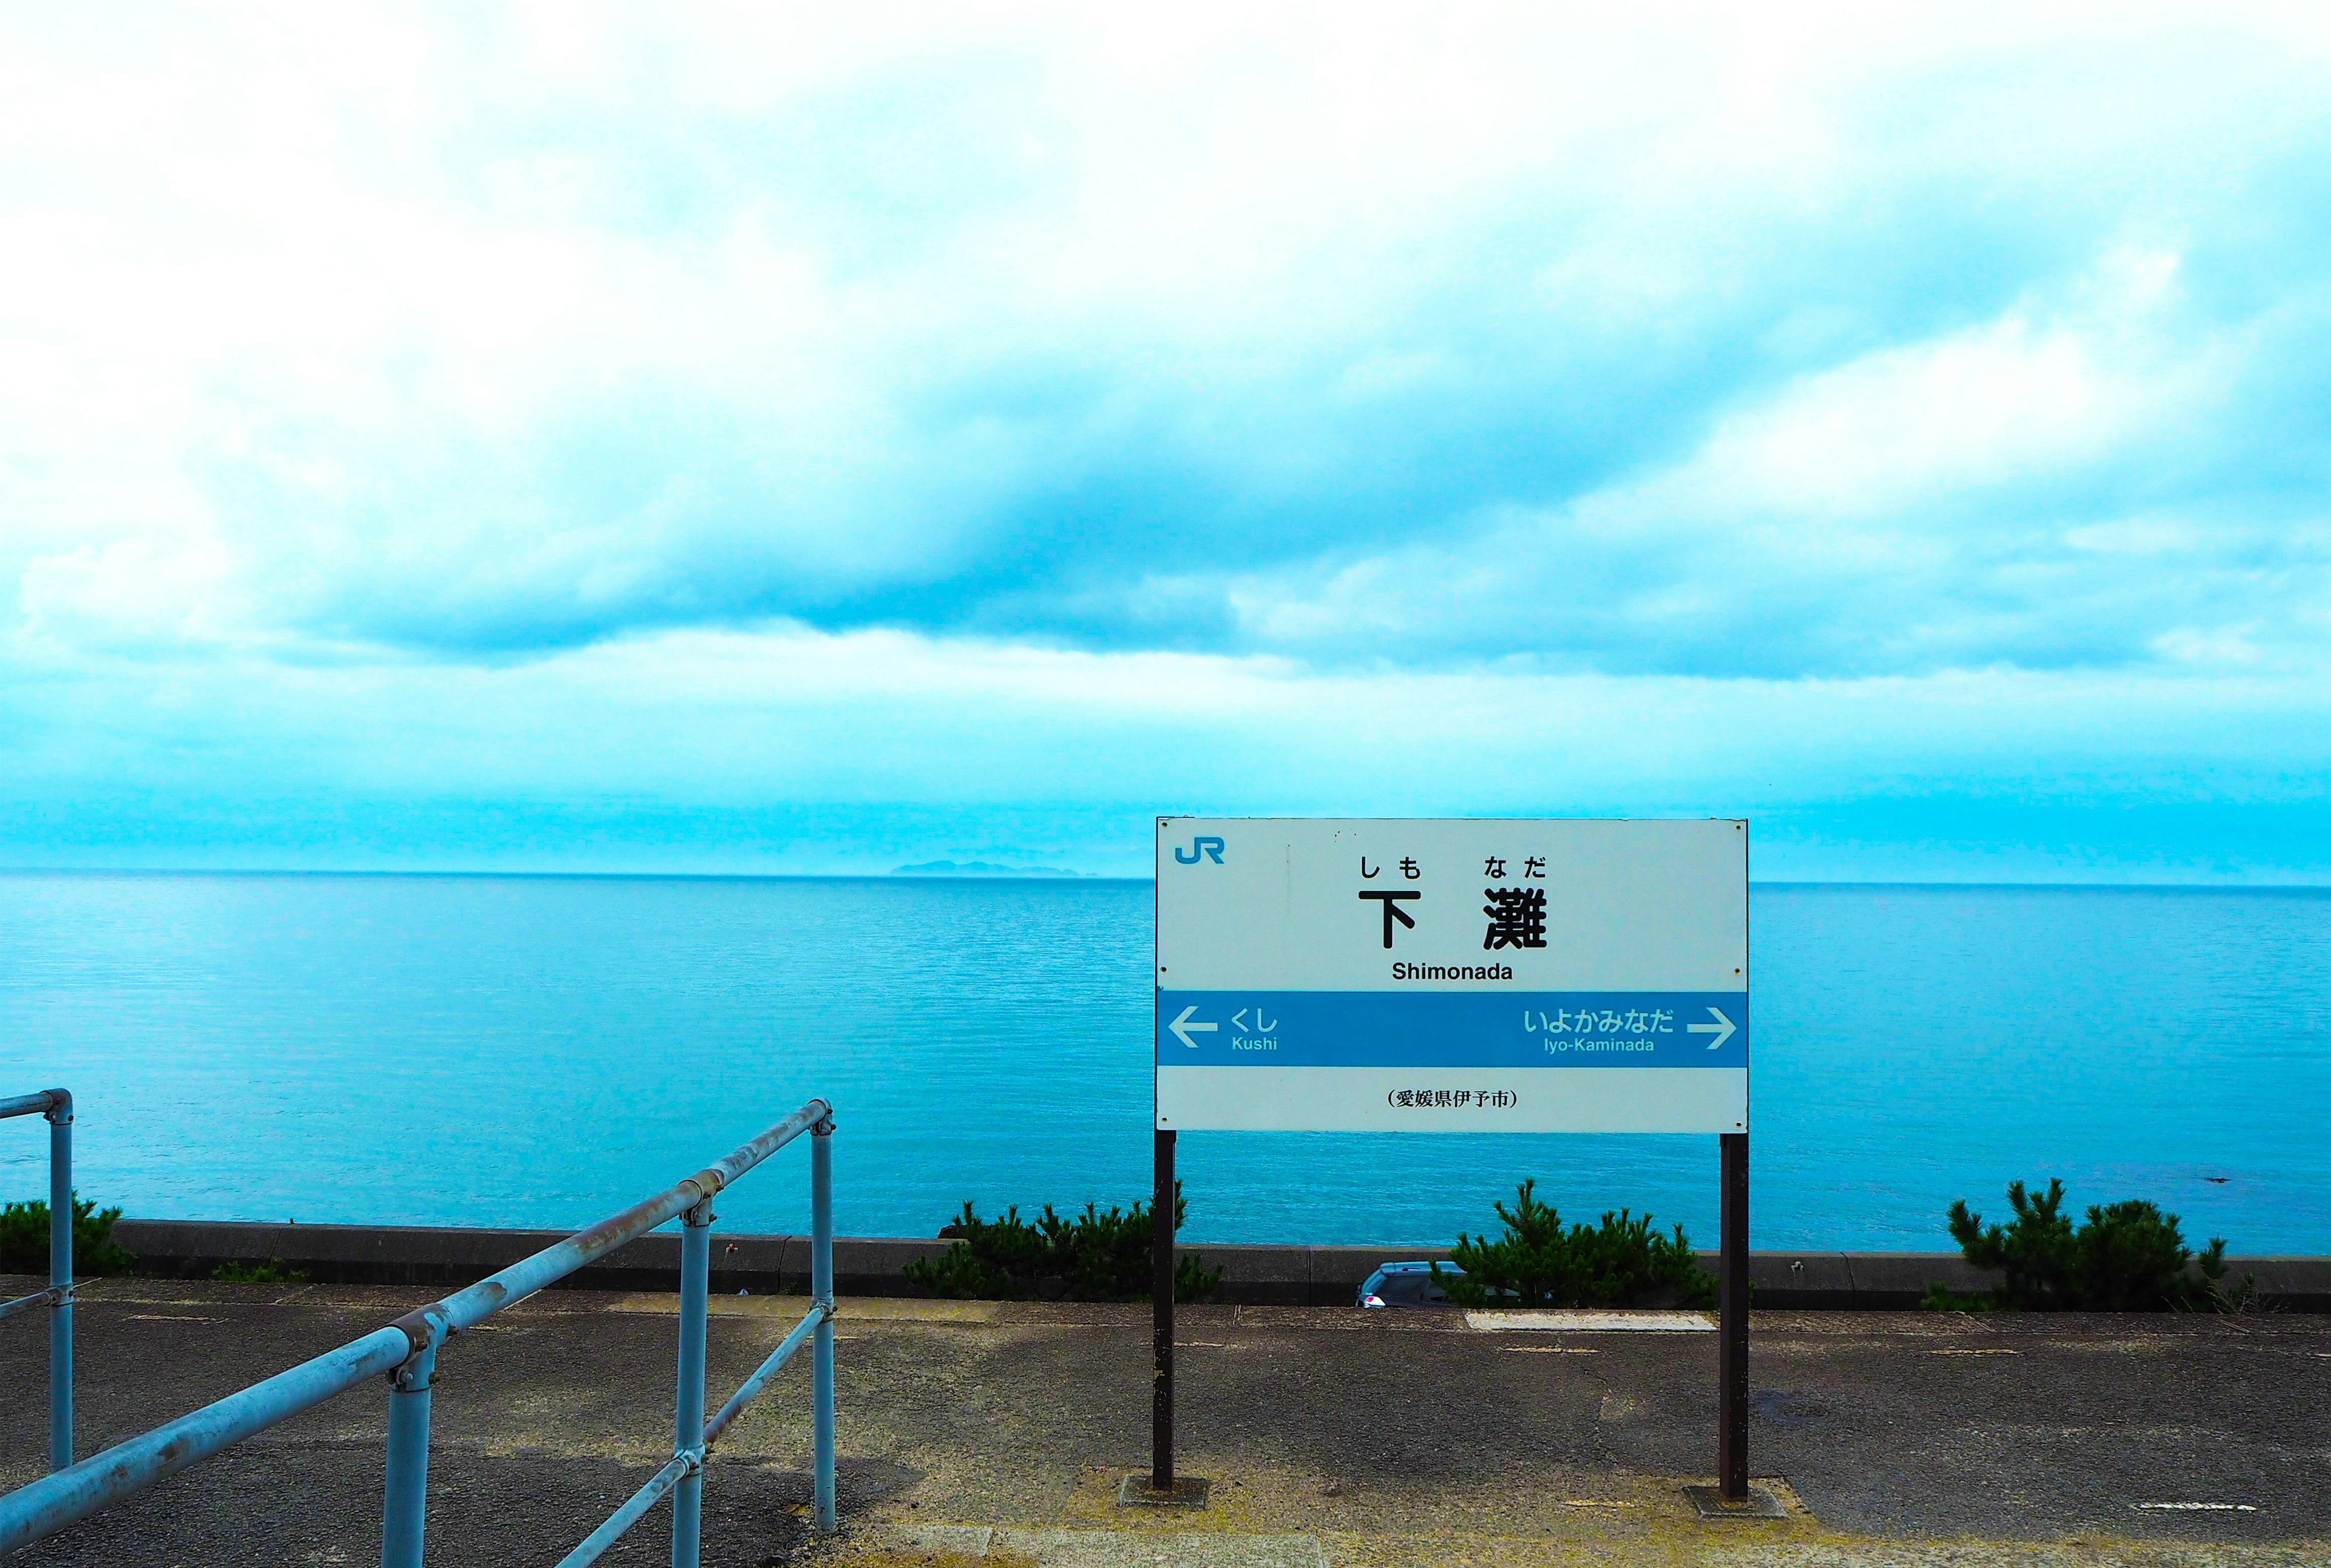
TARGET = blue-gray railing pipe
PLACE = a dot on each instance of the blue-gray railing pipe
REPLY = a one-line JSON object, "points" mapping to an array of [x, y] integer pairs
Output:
{"points": [[404, 1505], [466, 1308], [821, 1289], [688, 1464], [60, 1279], [48, 1298], [56, 1501], [595, 1545], [688, 1404], [56, 1105], [750, 1390]]}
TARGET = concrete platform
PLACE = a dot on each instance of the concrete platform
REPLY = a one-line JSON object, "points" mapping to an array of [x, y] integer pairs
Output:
{"points": [[1330, 1436]]}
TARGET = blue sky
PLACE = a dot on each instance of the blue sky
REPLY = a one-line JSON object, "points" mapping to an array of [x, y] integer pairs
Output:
{"points": [[572, 438]]}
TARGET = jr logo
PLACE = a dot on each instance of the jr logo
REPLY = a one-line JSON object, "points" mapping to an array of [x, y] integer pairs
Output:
{"points": [[1206, 845]]}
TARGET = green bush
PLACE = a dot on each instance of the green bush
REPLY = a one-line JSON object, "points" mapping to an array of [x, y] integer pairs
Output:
{"points": [[24, 1240], [1619, 1262], [270, 1272], [2127, 1257], [1093, 1257]]}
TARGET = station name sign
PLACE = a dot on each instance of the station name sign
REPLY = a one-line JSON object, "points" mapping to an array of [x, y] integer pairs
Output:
{"points": [[1452, 975]]}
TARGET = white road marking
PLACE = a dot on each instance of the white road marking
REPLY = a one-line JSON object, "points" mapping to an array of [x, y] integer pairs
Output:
{"points": [[1577, 1321], [168, 1317]]}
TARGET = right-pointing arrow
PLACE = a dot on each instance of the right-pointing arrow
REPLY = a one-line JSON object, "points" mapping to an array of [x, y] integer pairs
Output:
{"points": [[1723, 1028]]}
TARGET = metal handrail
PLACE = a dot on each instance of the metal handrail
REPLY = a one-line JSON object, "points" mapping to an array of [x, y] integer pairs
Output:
{"points": [[56, 1105], [406, 1352]]}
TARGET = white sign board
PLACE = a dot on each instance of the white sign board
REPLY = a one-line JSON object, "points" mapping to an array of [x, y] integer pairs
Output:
{"points": [[1462, 975]]}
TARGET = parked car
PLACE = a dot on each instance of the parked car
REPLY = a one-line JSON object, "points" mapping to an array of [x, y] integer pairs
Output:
{"points": [[1407, 1285]]}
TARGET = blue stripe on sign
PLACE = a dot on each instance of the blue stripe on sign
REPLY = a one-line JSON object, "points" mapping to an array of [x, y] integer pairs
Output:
{"points": [[1452, 1029]]}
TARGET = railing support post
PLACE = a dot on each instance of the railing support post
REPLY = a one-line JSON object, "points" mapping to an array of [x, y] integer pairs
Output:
{"points": [[821, 1289], [60, 1274], [405, 1509], [688, 1408]]}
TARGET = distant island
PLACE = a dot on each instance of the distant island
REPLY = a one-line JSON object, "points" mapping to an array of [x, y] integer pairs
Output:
{"points": [[981, 868]]}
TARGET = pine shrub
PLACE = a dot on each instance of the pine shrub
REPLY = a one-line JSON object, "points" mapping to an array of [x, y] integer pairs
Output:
{"points": [[2126, 1256], [1095, 1255], [1619, 1262], [24, 1240]]}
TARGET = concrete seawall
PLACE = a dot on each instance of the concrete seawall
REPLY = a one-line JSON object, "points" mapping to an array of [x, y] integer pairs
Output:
{"points": [[875, 1265]]}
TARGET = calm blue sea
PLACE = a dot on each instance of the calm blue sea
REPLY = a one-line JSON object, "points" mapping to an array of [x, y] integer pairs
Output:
{"points": [[542, 1051]]}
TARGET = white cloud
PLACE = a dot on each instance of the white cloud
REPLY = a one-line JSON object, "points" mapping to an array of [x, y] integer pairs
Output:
{"points": [[499, 329], [1517, 407], [1899, 429], [128, 594], [783, 712], [1922, 505]]}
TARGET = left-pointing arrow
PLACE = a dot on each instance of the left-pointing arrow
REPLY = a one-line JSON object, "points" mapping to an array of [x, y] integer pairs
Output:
{"points": [[1183, 1027]]}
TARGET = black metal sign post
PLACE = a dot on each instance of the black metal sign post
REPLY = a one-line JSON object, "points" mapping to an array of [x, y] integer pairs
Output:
{"points": [[1161, 1295], [1732, 1309]]}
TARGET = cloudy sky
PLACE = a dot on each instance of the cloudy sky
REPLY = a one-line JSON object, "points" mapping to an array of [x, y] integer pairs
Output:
{"points": [[567, 437]]}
